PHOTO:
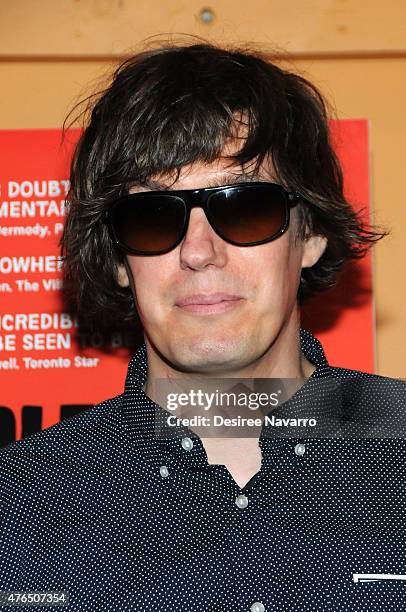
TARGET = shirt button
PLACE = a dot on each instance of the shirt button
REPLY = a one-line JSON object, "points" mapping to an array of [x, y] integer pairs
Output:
{"points": [[187, 444], [300, 449], [241, 501], [257, 607], [163, 470]]}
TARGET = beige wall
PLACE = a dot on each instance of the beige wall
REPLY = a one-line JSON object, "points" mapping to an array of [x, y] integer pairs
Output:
{"points": [[51, 53]]}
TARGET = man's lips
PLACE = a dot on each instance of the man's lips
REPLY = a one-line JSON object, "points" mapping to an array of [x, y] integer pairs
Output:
{"points": [[208, 304]]}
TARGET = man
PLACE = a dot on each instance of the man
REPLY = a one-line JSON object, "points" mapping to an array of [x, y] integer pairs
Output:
{"points": [[207, 203]]}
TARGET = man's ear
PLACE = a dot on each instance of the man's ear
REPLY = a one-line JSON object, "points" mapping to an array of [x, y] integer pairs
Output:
{"points": [[122, 276], [313, 249]]}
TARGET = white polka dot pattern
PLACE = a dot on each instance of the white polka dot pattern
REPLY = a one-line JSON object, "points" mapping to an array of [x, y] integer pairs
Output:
{"points": [[124, 522]]}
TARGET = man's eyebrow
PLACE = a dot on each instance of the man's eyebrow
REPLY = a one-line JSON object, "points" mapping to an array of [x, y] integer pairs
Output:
{"points": [[231, 179], [218, 181]]}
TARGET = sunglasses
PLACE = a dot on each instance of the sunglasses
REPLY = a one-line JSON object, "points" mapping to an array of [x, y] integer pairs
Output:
{"points": [[155, 222]]}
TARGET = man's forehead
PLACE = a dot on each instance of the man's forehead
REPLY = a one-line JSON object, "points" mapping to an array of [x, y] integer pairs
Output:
{"points": [[223, 178], [212, 174], [225, 170]]}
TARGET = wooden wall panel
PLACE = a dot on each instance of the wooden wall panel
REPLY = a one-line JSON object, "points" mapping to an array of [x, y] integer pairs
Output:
{"points": [[106, 27]]}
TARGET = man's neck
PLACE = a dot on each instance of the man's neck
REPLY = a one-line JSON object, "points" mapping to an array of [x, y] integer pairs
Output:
{"points": [[242, 456], [283, 359]]}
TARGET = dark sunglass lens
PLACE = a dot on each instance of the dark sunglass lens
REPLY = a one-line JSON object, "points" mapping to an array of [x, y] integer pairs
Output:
{"points": [[249, 214], [148, 222]]}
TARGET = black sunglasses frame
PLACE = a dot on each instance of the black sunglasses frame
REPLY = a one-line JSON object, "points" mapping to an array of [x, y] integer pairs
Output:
{"points": [[192, 198]]}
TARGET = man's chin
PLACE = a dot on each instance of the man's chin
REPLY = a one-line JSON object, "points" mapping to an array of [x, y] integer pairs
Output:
{"points": [[211, 357]]}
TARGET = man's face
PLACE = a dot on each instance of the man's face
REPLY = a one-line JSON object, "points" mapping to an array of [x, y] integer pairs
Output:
{"points": [[259, 285]]}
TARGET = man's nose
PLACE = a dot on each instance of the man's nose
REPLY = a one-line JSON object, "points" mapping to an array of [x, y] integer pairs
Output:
{"points": [[201, 246]]}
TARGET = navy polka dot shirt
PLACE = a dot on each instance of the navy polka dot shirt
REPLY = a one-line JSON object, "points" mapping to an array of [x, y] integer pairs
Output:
{"points": [[100, 508]]}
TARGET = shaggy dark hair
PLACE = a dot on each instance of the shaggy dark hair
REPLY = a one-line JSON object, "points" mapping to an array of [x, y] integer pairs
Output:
{"points": [[178, 104]]}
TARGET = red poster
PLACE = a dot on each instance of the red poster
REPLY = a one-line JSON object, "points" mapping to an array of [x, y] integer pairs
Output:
{"points": [[43, 365]]}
